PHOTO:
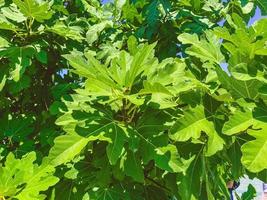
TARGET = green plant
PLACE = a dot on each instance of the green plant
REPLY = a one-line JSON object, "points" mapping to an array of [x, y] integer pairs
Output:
{"points": [[128, 100]]}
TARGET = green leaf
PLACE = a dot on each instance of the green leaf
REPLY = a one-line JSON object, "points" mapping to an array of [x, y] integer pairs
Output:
{"points": [[153, 13], [94, 31], [192, 124], [132, 44], [69, 32], [254, 152], [115, 80], [159, 94], [133, 167], [114, 149], [171, 159], [23, 83], [42, 56], [196, 4], [238, 122], [138, 64], [32, 9], [3, 42], [35, 178], [189, 187], [17, 127], [241, 44], [66, 148], [110, 193], [2, 2], [19, 58], [71, 173], [263, 5], [243, 119], [13, 13], [215, 142], [40, 180], [205, 50], [81, 66], [249, 194], [118, 5], [124, 109], [3, 82], [237, 88], [7, 26]]}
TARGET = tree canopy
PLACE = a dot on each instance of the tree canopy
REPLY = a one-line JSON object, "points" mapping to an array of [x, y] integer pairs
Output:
{"points": [[131, 99]]}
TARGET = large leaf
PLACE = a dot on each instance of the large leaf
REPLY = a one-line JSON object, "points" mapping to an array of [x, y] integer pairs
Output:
{"points": [[34, 10], [19, 59], [166, 156], [17, 172], [239, 122], [66, 148], [5, 25], [191, 188], [95, 30], [13, 13], [242, 120], [40, 180], [106, 79], [17, 128], [192, 124], [133, 167], [238, 88], [116, 80], [205, 50], [69, 32], [169, 157], [254, 152], [115, 148]]}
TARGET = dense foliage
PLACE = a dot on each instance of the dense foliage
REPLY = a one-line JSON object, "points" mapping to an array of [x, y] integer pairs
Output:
{"points": [[131, 99]]}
